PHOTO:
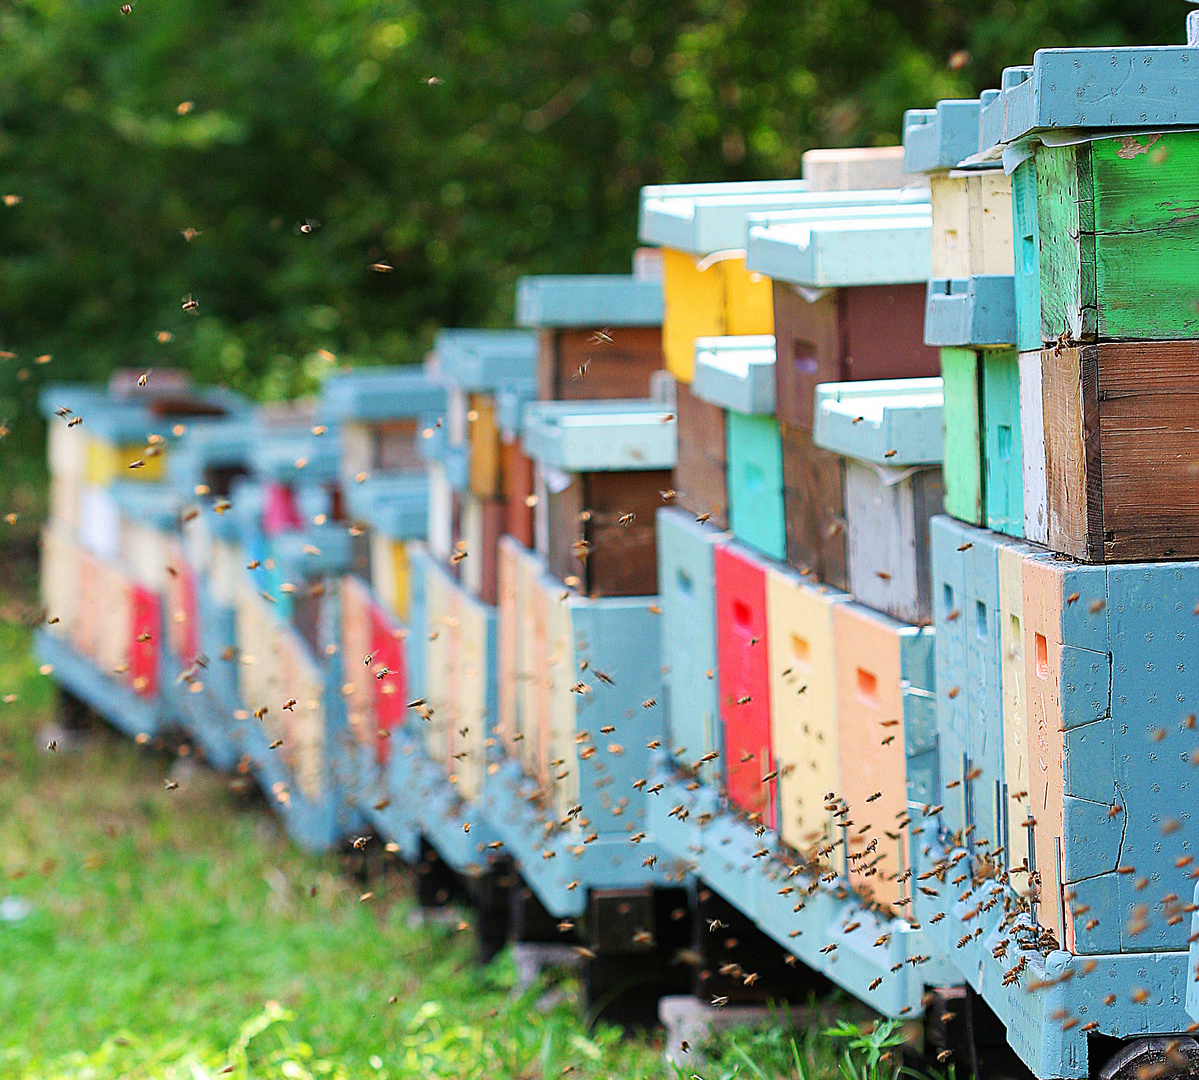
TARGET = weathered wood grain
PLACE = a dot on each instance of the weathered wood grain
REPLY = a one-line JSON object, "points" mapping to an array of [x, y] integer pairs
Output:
{"points": [[1065, 213], [1072, 479], [814, 507], [700, 476]]}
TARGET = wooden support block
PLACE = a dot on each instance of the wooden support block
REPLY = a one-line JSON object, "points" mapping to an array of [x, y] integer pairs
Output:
{"points": [[694, 306], [484, 446], [743, 652], [852, 334], [803, 697], [755, 482], [972, 223], [1119, 440], [1032, 438], [577, 364], [887, 513], [517, 475], [1112, 211], [1003, 447], [814, 507], [700, 474], [687, 590], [962, 467], [873, 766]]}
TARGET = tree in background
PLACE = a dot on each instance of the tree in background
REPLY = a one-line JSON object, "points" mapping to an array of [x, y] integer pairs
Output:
{"points": [[460, 143]]}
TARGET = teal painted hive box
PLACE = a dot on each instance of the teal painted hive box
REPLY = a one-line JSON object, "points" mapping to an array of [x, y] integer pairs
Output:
{"points": [[755, 481]]}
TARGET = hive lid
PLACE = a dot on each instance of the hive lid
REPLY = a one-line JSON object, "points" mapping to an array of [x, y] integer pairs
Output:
{"points": [[971, 312], [486, 359], [1126, 88], [937, 139], [736, 372], [392, 393], [892, 247], [588, 300], [705, 218], [599, 436], [396, 505], [869, 420]]}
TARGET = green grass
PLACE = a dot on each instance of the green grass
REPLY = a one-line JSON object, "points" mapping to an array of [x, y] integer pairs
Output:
{"points": [[174, 933]]}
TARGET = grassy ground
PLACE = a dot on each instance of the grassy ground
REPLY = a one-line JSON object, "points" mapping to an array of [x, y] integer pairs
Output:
{"points": [[174, 933], [148, 933]]}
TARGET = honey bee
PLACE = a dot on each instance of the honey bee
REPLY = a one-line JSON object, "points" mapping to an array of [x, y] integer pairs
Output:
{"points": [[143, 378], [190, 303], [601, 337]]}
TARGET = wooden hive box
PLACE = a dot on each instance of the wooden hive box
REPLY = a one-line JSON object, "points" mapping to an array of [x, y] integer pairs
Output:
{"points": [[853, 168], [181, 608], [380, 414], [441, 661], [600, 334], [813, 507], [1119, 440], [62, 583], [475, 695], [602, 467], [889, 435], [965, 560], [556, 672], [510, 628], [390, 702], [707, 289], [687, 590], [610, 645], [1068, 677], [114, 613], [736, 374], [1111, 211], [144, 648], [803, 704], [883, 672], [517, 474], [394, 511], [357, 638], [972, 206], [305, 722], [64, 496], [481, 522], [849, 283], [700, 475], [742, 649]]}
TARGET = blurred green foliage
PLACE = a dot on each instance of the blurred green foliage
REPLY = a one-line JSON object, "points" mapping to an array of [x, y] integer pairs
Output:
{"points": [[464, 144]]}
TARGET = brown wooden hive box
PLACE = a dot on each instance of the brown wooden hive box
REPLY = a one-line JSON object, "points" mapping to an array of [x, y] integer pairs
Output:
{"points": [[1122, 450], [852, 334]]}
